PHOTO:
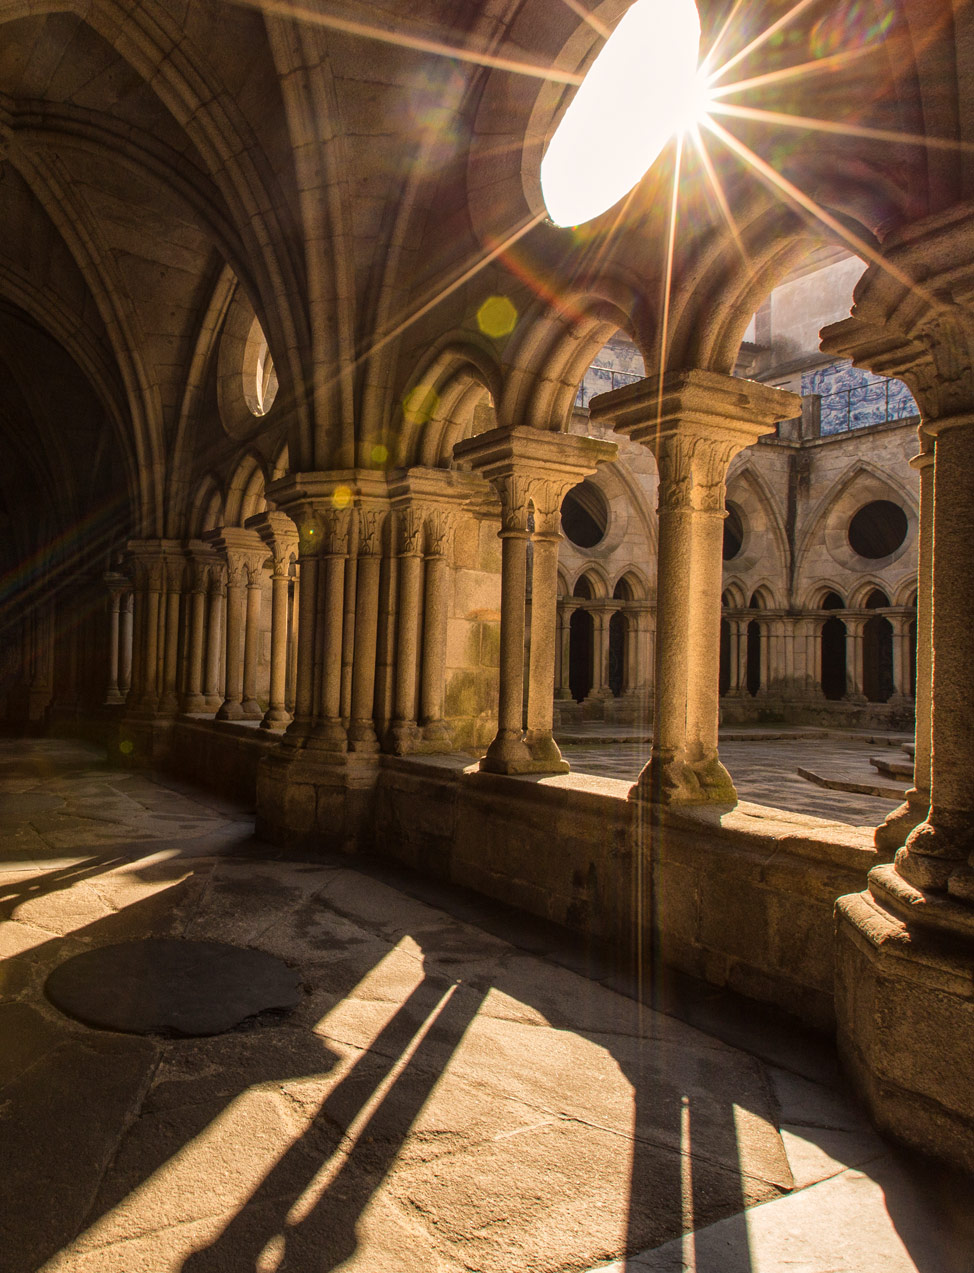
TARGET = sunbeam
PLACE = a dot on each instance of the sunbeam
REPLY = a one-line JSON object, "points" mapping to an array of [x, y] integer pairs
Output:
{"points": [[802, 70], [767, 34], [775, 180], [788, 120], [421, 44]]}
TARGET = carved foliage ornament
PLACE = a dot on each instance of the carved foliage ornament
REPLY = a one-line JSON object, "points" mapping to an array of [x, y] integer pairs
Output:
{"points": [[370, 524], [440, 524], [693, 471], [514, 490], [410, 532]]}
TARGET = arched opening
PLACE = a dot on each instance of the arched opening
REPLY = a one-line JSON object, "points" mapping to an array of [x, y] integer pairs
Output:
{"points": [[877, 659], [618, 642], [833, 658], [753, 657], [581, 641], [733, 532], [724, 657]]}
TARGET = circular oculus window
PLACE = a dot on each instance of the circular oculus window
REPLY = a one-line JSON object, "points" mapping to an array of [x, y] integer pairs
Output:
{"points": [[584, 515], [878, 529]]}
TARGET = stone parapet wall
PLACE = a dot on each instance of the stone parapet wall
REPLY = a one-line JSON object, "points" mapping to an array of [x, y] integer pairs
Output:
{"points": [[743, 899]]}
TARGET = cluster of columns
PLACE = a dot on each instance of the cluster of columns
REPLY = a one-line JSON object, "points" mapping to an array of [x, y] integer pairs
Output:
{"points": [[694, 422], [374, 558], [637, 672], [185, 638], [531, 471], [791, 656]]}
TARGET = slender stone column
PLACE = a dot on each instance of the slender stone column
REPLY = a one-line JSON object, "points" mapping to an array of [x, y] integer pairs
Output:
{"points": [[892, 833], [508, 752], [216, 608], [308, 544], [169, 702], [528, 467], [565, 612], [126, 644], [116, 594], [764, 661], [854, 654], [361, 731], [899, 624], [293, 620], [328, 733], [153, 594], [547, 498], [634, 636], [405, 732], [193, 700], [694, 422], [255, 574], [741, 668], [439, 532], [233, 671], [280, 536]]}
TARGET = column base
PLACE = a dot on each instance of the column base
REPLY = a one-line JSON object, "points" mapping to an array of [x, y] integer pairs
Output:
{"points": [[437, 735], [904, 982], [671, 780], [276, 718], [893, 831], [935, 849], [192, 704], [362, 739], [508, 754], [251, 709], [403, 738], [212, 702], [113, 698], [230, 709], [327, 736], [545, 751]]}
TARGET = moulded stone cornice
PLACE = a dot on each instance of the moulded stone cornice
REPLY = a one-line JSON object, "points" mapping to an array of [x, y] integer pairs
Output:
{"points": [[235, 539], [448, 487], [709, 404], [535, 453]]}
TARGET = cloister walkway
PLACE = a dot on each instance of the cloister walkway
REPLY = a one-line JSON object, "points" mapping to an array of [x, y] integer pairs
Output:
{"points": [[460, 1089]]}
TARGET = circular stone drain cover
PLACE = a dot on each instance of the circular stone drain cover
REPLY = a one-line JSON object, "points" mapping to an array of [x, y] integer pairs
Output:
{"points": [[171, 987]]}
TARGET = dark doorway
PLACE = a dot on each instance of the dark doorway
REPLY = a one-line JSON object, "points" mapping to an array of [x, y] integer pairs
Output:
{"points": [[753, 657], [618, 640], [580, 655], [877, 659], [833, 658], [725, 669]]}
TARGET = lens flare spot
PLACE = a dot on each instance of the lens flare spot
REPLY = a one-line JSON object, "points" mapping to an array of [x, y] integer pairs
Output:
{"points": [[419, 405], [126, 746], [341, 497], [380, 454], [497, 317]]}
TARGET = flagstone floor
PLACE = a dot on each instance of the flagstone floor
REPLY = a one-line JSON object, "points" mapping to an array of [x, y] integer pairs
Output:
{"points": [[452, 1095]]}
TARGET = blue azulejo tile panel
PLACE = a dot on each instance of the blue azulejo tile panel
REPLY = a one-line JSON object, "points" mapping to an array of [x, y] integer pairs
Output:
{"points": [[854, 399]]}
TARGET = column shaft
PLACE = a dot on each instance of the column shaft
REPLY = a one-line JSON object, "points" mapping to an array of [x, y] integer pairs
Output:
{"points": [[276, 716], [541, 667]]}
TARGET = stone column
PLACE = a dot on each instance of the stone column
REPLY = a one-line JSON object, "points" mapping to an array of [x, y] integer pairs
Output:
{"points": [[126, 644], [328, 733], [565, 612], [151, 568], [891, 833], [741, 670], [244, 554], [255, 573], [309, 541], [192, 699], [546, 496], [404, 731], [280, 537], [764, 661], [234, 621], [117, 585], [634, 636], [694, 422], [293, 620], [814, 655], [904, 949], [439, 532], [174, 569], [853, 657], [515, 460], [216, 608], [361, 731]]}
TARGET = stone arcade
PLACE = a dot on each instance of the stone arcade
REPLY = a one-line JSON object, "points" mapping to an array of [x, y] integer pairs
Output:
{"points": [[291, 356]]}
